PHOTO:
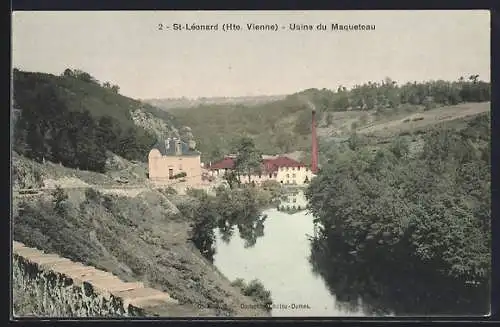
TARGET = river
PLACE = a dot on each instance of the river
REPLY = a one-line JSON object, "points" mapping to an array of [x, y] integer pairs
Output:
{"points": [[339, 284], [279, 259]]}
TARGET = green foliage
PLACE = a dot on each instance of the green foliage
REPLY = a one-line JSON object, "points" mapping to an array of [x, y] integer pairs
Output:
{"points": [[230, 208], [179, 175], [73, 120], [248, 160], [168, 191], [231, 178], [59, 200], [303, 123], [400, 147], [256, 290], [434, 207], [92, 195], [354, 141], [284, 126], [24, 176]]}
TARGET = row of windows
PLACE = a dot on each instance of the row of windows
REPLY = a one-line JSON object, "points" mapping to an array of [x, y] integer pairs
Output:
{"points": [[293, 168]]}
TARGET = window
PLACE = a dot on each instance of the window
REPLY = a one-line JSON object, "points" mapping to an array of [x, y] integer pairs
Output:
{"points": [[270, 175], [293, 168], [287, 175], [293, 175]]}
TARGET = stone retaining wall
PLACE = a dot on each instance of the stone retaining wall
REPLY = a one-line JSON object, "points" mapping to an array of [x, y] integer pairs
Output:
{"points": [[51, 286]]}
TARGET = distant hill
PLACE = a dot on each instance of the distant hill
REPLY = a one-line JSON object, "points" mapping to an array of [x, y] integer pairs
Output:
{"points": [[74, 119], [284, 125], [170, 103]]}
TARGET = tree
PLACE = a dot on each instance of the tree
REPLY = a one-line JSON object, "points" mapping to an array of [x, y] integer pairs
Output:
{"points": [[231, 178], [303, 123], [433, 210], [284, 141], [249, 159], [473, 78], [68, 73], [59, 198]]}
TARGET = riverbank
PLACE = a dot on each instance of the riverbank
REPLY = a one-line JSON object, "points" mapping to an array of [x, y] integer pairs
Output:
{"points": [[142, 238]]}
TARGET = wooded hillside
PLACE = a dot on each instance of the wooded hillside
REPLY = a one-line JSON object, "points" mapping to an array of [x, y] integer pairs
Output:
{"points": [[73, 119], [283, 126]]}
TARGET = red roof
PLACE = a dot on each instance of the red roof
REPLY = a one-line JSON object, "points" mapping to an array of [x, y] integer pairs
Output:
{"points": [[283, 161], [227, 163], [272, 165]]}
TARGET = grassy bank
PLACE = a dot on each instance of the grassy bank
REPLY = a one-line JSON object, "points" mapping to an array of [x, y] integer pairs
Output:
{"points": [[138, 239]]}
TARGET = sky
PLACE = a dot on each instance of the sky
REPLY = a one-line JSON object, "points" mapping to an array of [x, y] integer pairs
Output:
{"points": [[128, 49]]}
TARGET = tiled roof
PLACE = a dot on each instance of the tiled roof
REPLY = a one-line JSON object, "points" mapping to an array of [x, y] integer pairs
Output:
{"points": [[268, 165], [272, 165], [283, 161], [167, 148], [226, 163]]}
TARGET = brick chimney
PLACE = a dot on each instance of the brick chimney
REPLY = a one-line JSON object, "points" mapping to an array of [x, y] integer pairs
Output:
{"points": [[314, 146]]}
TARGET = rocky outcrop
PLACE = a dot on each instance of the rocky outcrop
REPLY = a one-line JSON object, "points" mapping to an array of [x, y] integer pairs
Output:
{"points": [[153, 124]]}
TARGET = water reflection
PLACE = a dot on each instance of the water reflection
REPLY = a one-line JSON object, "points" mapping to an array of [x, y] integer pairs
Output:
{"points": [[293, 201], [299, 269], [249, 230], [279, 259], [401, 287]]}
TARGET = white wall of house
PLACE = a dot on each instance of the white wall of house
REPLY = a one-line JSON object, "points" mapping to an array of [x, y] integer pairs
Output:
{"points": [[285, 175]]}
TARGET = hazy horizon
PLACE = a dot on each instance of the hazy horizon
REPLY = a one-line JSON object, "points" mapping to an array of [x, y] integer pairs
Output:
{"points": [[126, 48]]}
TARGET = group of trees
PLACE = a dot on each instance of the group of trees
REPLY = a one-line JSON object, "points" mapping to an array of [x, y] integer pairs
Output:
{"points": [[86, 77], [387, 95], [403, 211], [285, 125], [56, 124]]}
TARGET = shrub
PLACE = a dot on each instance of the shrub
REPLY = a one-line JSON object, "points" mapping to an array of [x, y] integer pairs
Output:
{"points": [[92, 195], [169, 191], [179, 175], [256, 290], [59, 200]]}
